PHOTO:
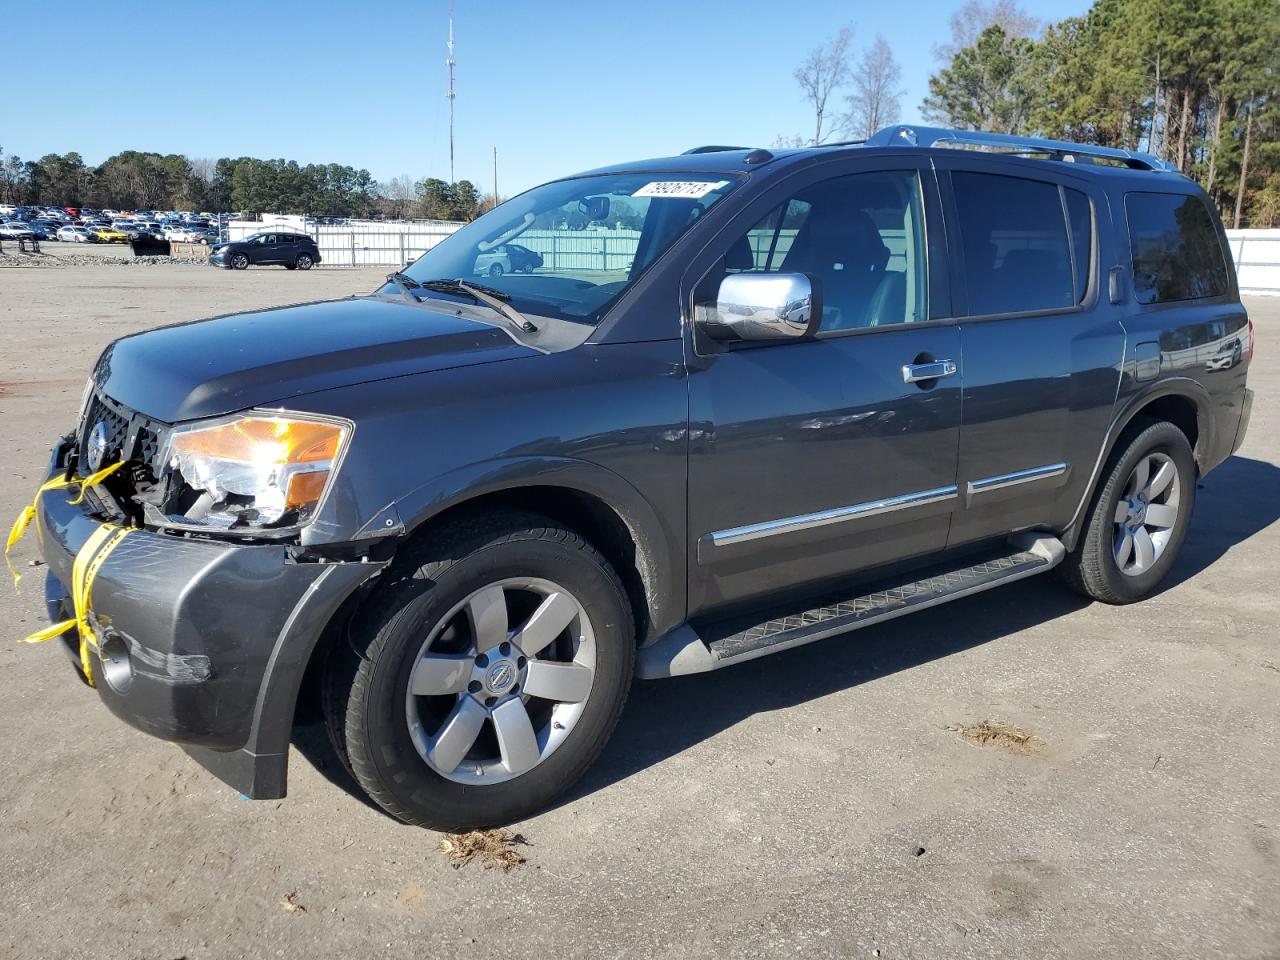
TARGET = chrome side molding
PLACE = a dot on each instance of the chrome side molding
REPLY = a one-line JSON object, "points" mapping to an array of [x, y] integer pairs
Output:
{"points": [[809, 521], [1001, 481]]}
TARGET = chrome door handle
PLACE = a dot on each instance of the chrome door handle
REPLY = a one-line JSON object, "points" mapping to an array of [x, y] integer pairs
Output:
{"points": [[915, 372]]}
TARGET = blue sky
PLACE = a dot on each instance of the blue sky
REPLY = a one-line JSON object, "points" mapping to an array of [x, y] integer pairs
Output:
{"points": [[556, 86]]}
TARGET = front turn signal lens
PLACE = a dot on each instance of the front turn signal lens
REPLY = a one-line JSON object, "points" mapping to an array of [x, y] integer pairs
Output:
{"points": [[264, 440]]}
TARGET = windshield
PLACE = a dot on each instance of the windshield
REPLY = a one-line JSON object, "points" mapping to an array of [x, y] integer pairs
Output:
{"points": [[582, 241]]}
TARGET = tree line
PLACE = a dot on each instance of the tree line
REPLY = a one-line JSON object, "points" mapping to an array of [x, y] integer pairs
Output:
{"points": [[1190, 81], [134, 180]]}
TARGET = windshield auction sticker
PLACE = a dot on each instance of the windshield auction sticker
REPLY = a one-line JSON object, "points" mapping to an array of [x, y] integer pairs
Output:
{"points": [[685, 189]]}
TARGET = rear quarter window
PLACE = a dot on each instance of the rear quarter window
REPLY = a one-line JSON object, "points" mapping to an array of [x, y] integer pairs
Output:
{"points": [[1175, 247]]}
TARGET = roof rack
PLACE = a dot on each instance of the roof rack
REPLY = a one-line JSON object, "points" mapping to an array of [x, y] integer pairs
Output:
{"points": [[711, 148], [1056, 149]]}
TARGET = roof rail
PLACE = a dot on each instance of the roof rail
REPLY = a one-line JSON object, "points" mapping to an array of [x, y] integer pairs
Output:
{"points": [[1057, 149], [711, 148]]}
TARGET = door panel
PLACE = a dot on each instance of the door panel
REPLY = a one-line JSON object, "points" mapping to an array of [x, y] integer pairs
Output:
{"points": [[266, 251], [788, 435], [813, 459], [1041, 372]]}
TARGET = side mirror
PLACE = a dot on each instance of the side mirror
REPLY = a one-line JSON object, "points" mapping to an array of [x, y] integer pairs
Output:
{"points": [[764, 306], [594, 208]]}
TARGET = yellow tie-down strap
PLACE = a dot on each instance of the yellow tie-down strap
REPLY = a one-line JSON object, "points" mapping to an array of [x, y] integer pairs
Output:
{"points": [[89, 560]]}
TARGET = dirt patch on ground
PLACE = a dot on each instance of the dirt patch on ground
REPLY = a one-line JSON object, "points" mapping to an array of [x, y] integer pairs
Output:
{"points": [[491, 848], [995, 733]]}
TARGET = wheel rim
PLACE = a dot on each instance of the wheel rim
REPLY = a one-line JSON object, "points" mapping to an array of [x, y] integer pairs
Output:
{"points": [[241, 261], [495, 270], [501, 681], [1146, 514], [304, 262]]}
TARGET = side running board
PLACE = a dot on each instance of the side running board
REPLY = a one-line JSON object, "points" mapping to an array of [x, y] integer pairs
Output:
{"points": [[685, 651]]}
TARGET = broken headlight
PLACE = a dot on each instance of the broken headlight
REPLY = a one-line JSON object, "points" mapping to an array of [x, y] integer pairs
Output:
{"points": [[254, 470]]}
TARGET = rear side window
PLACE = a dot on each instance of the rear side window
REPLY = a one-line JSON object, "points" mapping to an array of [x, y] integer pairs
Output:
{"points": [[1017, 252], [1176, 252]]}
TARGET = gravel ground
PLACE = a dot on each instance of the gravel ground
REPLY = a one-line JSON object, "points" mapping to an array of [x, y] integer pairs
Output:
{"points": [[829, 802], [57, 253]]}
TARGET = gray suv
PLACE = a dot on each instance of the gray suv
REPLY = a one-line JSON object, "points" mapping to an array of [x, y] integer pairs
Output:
{"points": [[813, 391]]}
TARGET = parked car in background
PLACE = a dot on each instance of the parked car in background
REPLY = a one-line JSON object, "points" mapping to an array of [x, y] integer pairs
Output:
{"points": [[507, 258], [109, 234], [44, 229], [77, 234], [294, 251], [184, 233], [16, 230]]}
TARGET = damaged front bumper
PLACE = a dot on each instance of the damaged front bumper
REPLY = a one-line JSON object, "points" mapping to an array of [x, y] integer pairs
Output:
{"points": [[202, 642]]}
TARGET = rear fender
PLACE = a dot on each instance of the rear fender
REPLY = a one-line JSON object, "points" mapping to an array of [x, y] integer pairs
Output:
{"points": [[1130, 408]]}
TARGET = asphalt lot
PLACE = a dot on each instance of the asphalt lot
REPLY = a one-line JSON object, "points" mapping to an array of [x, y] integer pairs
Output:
{"points": [[816, 803]]}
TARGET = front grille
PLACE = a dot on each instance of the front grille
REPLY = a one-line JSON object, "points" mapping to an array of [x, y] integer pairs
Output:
{"points": [[129, 435]]}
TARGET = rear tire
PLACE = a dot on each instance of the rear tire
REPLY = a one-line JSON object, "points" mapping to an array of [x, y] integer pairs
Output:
{"points": [[304, 261], [495, 270], [428, 613], [1139, 516]]}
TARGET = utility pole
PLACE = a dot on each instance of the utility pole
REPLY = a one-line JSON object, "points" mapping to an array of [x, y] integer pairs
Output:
{"points": [[451, 95], [495, 176]]}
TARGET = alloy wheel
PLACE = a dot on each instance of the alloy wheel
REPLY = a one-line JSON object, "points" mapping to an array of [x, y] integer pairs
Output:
{"points": [[1146, 514], [501, 681]]}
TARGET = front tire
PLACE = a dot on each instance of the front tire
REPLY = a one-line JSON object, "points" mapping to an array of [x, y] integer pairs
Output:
{"points": [[240, 262], [487, 673], [1139, 517]]}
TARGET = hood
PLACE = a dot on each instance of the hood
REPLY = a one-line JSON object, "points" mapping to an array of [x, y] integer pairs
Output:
{"points": [[226, 364]]}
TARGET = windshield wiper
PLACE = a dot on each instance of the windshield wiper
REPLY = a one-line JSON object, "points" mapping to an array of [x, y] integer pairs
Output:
{"points": [[494, 299], [406, 283]]}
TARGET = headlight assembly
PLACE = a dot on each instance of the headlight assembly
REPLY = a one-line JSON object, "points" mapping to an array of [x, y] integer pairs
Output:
{"points": [[256, 470]]}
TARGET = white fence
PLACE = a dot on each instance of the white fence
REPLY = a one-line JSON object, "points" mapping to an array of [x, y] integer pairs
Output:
{"points": [[394, 243], [357, 243], [1257, 257]]}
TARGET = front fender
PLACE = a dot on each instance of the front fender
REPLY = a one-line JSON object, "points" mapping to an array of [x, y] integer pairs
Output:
{"points": [[656, 554]]}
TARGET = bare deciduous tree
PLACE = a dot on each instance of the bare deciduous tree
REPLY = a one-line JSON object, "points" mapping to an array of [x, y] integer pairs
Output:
{"points": [[970, 20], [204, 168], [400, 194], [825, 70], [784, 142], [876, 101]]}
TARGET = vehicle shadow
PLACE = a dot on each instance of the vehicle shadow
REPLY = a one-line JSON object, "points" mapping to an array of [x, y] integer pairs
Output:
{"points": [[665, 717], [1237, 500]]}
